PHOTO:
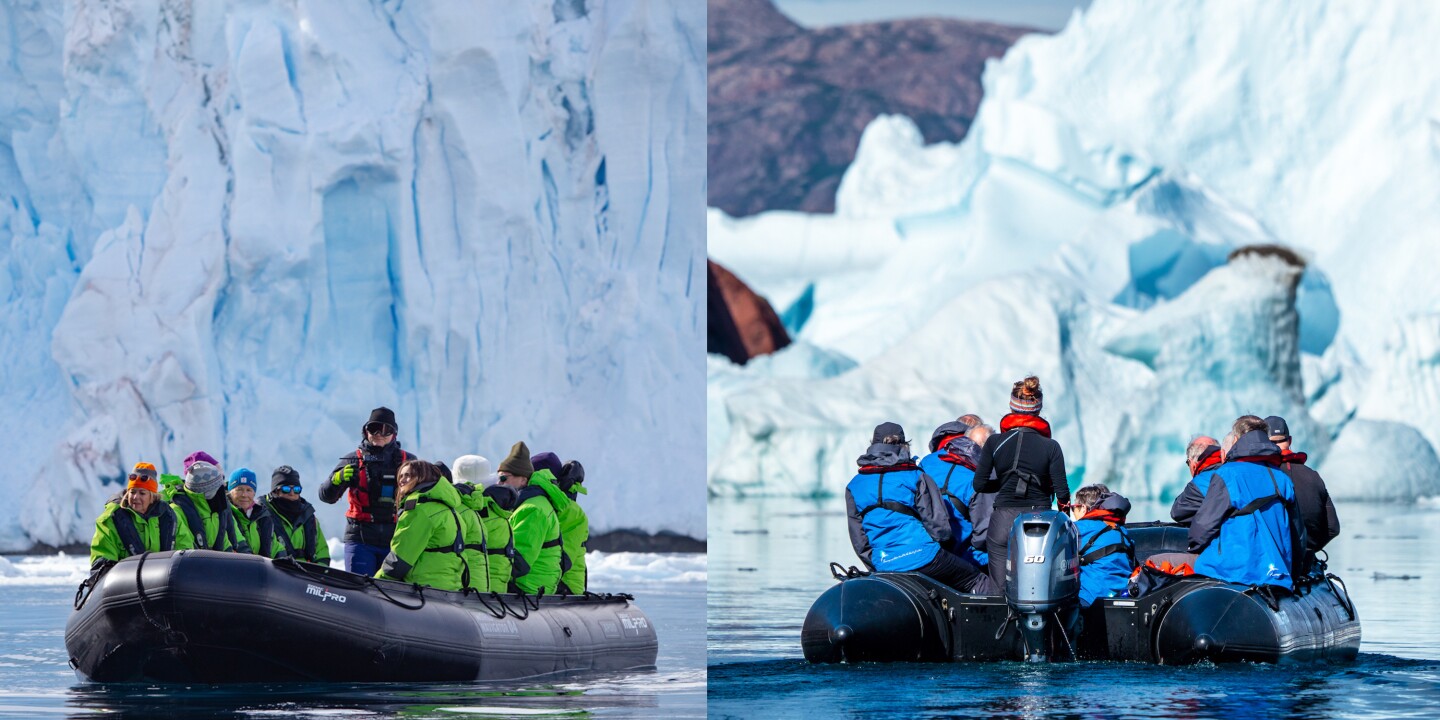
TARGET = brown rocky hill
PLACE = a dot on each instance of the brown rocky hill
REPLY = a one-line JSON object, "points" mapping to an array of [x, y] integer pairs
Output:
{"points": [[787, 103]]}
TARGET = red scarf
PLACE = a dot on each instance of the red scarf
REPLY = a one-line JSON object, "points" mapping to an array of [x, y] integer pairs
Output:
{"points": [[954, 459], [946, 441], [1019, 420], [1207, 462], [1293, 457]]}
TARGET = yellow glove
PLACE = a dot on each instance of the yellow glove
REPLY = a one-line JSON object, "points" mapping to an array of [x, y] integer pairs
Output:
{"points": [[343, 475]]}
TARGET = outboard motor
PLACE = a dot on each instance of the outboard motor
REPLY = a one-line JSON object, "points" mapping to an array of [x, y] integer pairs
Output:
{"points": [[1043, 575]]}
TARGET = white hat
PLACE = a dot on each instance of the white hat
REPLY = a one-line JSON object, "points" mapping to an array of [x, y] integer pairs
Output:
{"points": [[474, 469]]}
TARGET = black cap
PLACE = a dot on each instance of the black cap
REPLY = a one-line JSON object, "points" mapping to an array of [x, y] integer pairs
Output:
{"points": [[572, 473], [886, 429], [1277, 426], [382, 415], [284, 475]]}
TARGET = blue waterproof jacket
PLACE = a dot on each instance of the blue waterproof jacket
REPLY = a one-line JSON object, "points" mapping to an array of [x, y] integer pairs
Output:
{"points": [[898, 518], [957, 484], [1108, 573], [1242, 530]]}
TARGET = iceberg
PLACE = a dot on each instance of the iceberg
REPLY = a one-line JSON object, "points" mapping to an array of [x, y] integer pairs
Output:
{"points": [[1087, 229], [237, 227]]}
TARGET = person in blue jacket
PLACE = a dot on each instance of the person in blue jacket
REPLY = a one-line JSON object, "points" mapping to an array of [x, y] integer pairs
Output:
{"points": [[951, 464], [1107, 554], [1243, 531], [898, 518]]}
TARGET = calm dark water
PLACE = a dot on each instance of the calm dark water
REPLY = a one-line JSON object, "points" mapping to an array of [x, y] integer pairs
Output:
{"points": [[768, 561], [35, 681]]}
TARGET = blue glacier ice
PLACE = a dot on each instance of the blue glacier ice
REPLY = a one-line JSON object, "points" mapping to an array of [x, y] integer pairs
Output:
{"points": [[1083, 231], [238, 226]]}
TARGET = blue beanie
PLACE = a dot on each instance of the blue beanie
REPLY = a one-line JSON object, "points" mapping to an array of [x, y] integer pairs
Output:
{"points": [[242, 476]]}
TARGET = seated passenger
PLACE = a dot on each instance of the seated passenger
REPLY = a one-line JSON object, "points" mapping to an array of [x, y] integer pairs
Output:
{"points": [[136, 521], [904, 527], [951, 464], [534, 523], [575, 529], [492, 505], [203, 511], [1202, 455], [252, 528], [428, 547], [297, 530], [1243, 529], [1107, 555], [1312, 498]]}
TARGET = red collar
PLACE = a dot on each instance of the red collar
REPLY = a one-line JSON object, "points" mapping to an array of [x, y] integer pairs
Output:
{"points": [[1025, 420], [954, 459], [1207, 462], [1108, 516], [1293, 457], [946, 441], [878, 469]]}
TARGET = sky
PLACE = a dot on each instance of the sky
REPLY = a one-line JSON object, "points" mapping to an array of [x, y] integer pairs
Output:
{"points": [[1042, 14]]}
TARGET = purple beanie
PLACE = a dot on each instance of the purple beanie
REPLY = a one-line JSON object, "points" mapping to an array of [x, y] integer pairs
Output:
{"points": [[546, 461], [200, 456]]}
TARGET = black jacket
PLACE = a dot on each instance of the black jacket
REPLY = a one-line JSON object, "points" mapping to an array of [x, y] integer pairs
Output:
{"points": [[1312, 501], [1028, 452]]}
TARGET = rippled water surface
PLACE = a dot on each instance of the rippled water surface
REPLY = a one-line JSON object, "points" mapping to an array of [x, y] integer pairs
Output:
{"points": [[35, 681], [768, 561]]}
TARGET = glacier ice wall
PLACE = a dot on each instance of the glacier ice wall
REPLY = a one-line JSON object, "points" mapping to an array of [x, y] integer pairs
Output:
{"points": [[1081, 231], [239, 226]]}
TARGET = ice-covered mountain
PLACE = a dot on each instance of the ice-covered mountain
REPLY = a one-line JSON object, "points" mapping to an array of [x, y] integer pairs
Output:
{"points": [[238, 226], [1082, 231]]}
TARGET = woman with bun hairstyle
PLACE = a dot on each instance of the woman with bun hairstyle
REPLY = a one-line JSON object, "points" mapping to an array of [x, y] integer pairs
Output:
{"points": [[1028, 470]]}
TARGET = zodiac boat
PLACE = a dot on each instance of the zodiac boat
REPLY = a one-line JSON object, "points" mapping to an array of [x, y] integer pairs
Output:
{"points": [[890, 617], [215, 617]]}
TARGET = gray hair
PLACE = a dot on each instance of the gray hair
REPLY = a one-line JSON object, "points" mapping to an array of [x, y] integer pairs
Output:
{"points": [[1197, 448]]}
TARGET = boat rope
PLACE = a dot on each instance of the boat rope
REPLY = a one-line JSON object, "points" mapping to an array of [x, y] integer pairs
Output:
{"points": [[842, 573], [497, 613], [510, 610], [93, 581], [1343, 592], [172, 637]]}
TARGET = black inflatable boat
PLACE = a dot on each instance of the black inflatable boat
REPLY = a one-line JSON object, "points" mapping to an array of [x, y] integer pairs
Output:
{"points": [[213, 617], [892, 617]]}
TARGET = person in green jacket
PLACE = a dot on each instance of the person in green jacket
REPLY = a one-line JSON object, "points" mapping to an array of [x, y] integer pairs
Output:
{"points": [[574, 526], [535, 525], [492, 505], [252, 527], [203, 510], [136, 521], [428, 547], [297, 530]]}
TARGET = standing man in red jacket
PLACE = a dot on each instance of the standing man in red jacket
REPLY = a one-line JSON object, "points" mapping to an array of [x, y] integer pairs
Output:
{"points": [[369, 476]]}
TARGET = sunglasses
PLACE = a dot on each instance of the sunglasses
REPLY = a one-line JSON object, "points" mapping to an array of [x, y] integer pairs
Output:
{"points": [[379, 429], [288, 488]]}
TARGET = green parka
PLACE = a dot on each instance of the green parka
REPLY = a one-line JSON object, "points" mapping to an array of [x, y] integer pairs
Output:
{"points": [[302, 540], [575, 535], [429, 542], [499, 541], [121, 532], [254, 533], [537, 534], [200, 526]]}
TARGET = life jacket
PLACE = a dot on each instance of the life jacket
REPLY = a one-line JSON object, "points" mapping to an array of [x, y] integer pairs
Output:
{"points": [[1023, 478], [196, 524], [265, 532], [1089, 553], [898, 537], [1253, 555], [458, 546], [368, 495], [306, 521], [130, 535], [1208, 462], [518, 566]]}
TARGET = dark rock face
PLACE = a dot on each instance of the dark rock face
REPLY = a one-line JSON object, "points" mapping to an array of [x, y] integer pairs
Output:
{"points": [[741, 323], [787, 104]]}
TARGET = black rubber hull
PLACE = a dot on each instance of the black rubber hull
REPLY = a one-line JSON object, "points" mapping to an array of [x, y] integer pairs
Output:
{"points": [[890, 617], [211, 617]]}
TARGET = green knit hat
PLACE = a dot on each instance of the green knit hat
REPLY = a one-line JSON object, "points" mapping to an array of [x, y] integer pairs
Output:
{"points": [[518, 461]]}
